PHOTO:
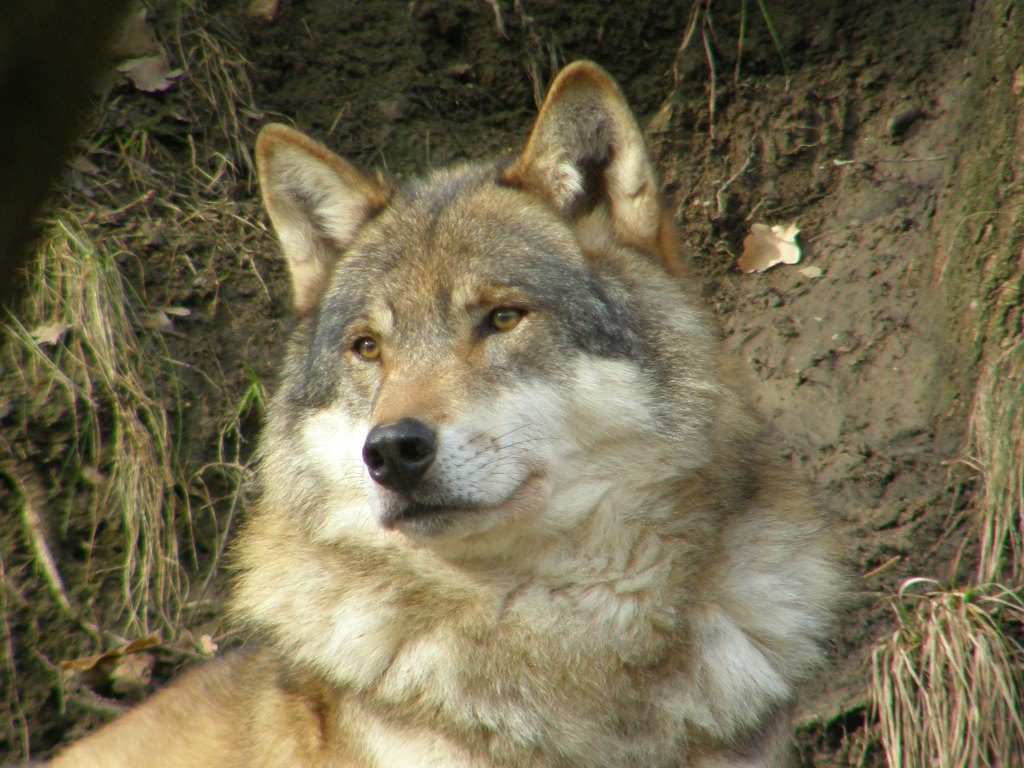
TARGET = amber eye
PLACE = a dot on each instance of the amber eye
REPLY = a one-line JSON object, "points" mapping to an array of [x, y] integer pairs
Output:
{"points": [[366, 347], [505, 318]]}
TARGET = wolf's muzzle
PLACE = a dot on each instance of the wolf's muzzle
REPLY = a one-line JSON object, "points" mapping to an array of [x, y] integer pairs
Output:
{"points": [[399, 454]]}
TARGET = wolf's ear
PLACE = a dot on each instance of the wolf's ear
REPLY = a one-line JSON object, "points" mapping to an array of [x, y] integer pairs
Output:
{"points": [[316, 201], [586, 148]]}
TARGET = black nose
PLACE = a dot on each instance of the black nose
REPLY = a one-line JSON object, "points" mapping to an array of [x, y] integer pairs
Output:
{"points": [[399, 454]]}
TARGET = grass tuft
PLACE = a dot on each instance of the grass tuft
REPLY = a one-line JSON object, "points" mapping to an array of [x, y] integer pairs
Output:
{"points": [[106, 369], [946, 685], [997, 442], [122, 521], [218, 74], [230, 472]]}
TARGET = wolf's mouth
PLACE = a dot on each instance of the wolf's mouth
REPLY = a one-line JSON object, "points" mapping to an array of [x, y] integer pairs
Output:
{"points": [[417, 511]]}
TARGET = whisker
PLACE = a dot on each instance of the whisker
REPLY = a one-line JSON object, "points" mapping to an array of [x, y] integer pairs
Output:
{"points": [[486, 432]]}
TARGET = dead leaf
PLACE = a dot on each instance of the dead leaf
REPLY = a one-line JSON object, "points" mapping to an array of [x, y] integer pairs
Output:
{"points": [[83, 164], [159, 321], [812, 272], [264, 10], [84, 663], [135, 38], [92, 475], [49, 334], [767, 246], [150, 73], [140, 644], [662, 119], [132, 672]]}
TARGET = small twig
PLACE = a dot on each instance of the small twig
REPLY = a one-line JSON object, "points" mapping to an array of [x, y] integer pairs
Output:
{"points": [[691, 27], [712, 82], [337, 118], [739, 42], [868, 163], [775, 39], [16, 716], [754, 210], [499, 22], [112, 214], [720, 194], [884, 566], [35, 531]]}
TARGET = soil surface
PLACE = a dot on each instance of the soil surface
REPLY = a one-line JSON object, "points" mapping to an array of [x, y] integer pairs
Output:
{"points": [[835, 117]]}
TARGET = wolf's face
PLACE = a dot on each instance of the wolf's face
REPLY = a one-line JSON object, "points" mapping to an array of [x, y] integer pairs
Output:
{"points": [[466, 362], [480, 354]]}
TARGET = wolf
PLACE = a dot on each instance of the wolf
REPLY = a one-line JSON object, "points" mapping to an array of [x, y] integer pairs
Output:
{"points": [[514, 507]]}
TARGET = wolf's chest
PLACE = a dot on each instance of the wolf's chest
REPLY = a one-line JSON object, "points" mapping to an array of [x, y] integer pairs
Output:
{"points": [[520, 689]]}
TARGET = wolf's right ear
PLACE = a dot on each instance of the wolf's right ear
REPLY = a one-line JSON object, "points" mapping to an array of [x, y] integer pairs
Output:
{"points": [[316, 202]]}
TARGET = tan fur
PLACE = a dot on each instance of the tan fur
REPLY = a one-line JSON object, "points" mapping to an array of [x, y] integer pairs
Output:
{"points": [[639, 582]]}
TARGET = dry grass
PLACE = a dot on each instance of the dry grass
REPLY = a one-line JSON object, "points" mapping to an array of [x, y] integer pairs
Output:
{"points": [[16, 722], [229, 471], [118, 499], [105, 369], [997, 440], [218, 74], [702, 19], [946, 684]]}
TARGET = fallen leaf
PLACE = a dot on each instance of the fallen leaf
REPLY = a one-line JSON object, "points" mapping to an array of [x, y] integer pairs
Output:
{"points": [[161, 322], [264, 10], [92, 475], [84, 663], [132, 672], [49, 334], [662, 119], [83, 164], [811, 272], [135, 38], [767, 246], [150, 73], [140, 644], [460, 69]]}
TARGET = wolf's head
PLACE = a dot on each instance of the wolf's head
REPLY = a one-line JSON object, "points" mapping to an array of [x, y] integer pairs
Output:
{"points": [[492, 350]]}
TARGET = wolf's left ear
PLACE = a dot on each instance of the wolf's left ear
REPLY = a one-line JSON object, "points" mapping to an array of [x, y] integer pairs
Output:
{"points": [[586, 148], [317, 203]]}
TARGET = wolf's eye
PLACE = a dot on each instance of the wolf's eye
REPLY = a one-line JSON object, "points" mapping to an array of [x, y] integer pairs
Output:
{"points": [[366, 347], [505, 318]]}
